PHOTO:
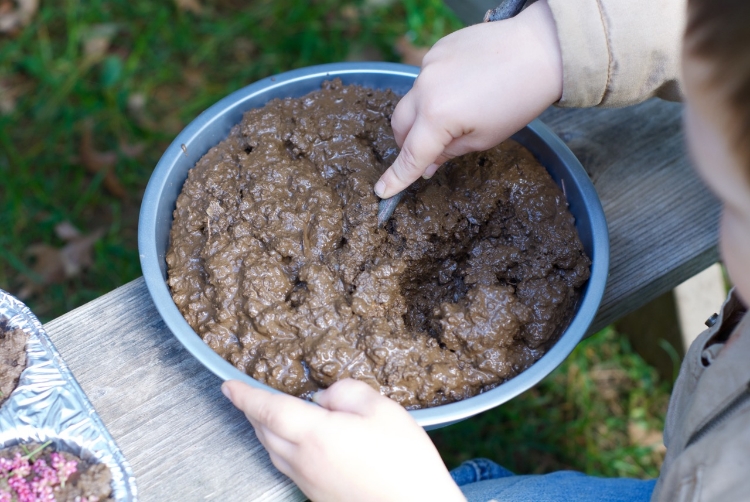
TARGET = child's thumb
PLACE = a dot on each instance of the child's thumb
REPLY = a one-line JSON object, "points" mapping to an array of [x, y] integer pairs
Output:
{"points": [[422, 146], [350, 396]]}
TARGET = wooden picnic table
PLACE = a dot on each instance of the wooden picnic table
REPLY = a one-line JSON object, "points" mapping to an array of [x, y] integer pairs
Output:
{"points": [[186, 442]]}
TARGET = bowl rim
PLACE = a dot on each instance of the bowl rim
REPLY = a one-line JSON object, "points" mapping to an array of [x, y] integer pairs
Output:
{"points": [[427, 417]]}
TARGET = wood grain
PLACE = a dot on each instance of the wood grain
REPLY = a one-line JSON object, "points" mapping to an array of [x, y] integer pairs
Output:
{"points": [[662, 219], [186, 442]]}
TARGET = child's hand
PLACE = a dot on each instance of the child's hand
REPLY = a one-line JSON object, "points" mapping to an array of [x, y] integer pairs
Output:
{"points": [[476, 88], [358, 445]]}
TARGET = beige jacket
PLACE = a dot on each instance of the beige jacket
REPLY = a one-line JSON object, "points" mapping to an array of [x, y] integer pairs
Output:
{"points": [[620, 52], [707, 433]]}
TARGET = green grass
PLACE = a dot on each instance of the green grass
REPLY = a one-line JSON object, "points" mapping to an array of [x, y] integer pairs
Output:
{"points": [[600, 412], [178, 63]]}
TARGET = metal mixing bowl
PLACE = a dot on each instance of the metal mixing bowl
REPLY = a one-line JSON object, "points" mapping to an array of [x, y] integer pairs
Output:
{"points": [[213, 125]]}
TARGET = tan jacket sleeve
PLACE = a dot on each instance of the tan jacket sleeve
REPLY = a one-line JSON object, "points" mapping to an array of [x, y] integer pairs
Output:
{"points": [[619, 52]]}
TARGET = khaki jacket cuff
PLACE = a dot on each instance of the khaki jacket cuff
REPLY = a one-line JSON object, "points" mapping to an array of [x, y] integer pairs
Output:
{"points": [[617, 53]]}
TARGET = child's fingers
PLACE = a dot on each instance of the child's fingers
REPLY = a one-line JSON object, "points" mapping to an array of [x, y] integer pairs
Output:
{"points": [[456, 148], [420, 149], [273, 443], [431, 170], [282, 465], [403, 118], [350, 396], [286, 416]]}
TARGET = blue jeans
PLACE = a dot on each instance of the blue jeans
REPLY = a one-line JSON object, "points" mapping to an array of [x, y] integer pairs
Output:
{"points": [[482, 480]]}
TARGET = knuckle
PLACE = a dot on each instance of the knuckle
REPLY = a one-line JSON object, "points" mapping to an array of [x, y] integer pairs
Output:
{"points": [[315, 442], [279, 463], [445, 157], [268, 416], [307, 462], [398, 125], [439, 51], [429, 72], [433, 110], [408, 164], [347, 385], [431, 57], [338, 391], [398, 113]]}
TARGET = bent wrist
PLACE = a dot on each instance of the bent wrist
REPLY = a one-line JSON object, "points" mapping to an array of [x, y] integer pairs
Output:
{"points": [[540, 33]]}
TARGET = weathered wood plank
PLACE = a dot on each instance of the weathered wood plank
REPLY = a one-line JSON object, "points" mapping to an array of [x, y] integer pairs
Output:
{"points": [[662, 220], [184, 440]]}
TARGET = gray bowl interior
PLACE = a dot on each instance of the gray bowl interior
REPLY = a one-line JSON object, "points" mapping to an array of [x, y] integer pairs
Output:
{"points": [[213, 125]]}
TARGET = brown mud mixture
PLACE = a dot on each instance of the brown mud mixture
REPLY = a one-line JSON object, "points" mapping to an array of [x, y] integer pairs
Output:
{"points": [[12, 359], [277, 262], [88, 483]]}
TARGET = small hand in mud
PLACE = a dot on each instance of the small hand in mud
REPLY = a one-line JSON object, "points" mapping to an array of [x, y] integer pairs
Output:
{"points": [[477, 87], [357, 445]]}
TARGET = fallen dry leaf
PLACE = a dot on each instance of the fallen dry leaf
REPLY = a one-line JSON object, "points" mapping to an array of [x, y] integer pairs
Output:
{"points": [[97, 39], [364, 53], [66, 231], [132, 150], [48, 268], [54, 265], [137, 109], [93, 160], [96, 162], [244, 49], [165, 102], [410, 53], [171, 124], [350, 13], [378, 3], [11, 88], [7, 98], [136, 102], [610, 383], [193, 6], [193, 77], [15, 14], [77, 254], [640, 435]]}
